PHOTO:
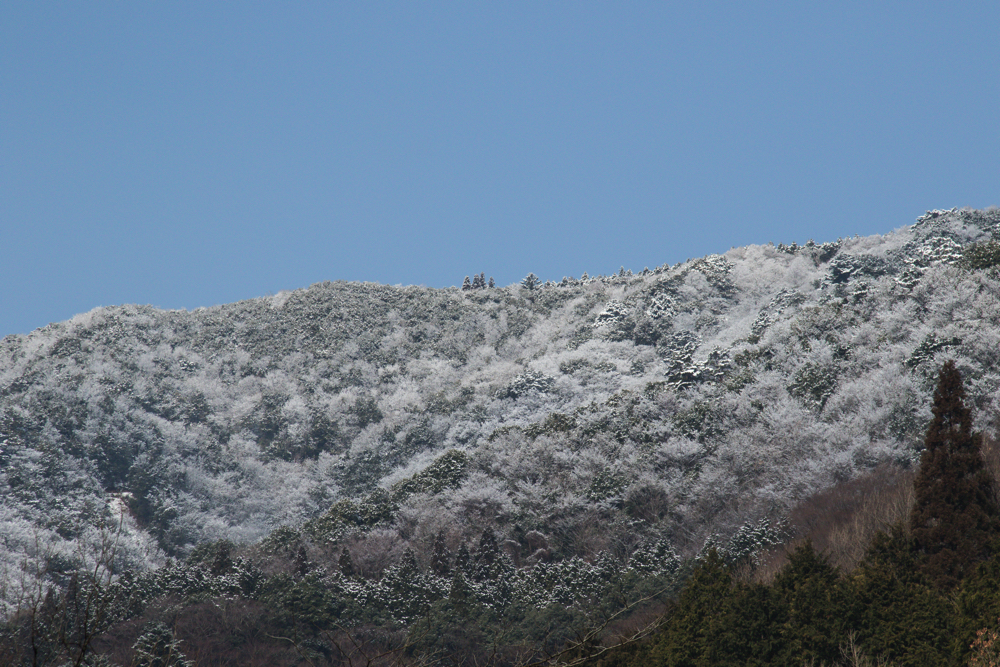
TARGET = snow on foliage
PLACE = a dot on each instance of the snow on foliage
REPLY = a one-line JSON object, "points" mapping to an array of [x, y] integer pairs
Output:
{"points": [[661, 407]]}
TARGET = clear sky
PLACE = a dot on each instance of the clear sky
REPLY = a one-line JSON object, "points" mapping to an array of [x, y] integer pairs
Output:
{"points": [[186, 154]]}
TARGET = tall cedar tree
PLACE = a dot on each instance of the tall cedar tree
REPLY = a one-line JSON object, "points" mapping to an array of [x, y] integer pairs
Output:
{"points": [[955, 515]]}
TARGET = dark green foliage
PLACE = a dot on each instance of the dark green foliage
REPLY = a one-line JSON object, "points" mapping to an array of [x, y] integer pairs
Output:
{"points": [[649, 331], [556, 422], [452, 626], [550, 629], [446, 472], [955, 516], [929, 347], [324, 435], [151, 486], [648, 503], [979, 256], [889, 607], [689, 636], [346, 564], [301, 562], [360, 473], [157, 647], [719, 621], [113, 456], [814, 384], [606, 484], [365, 412], [378, 507], [699, 422], [420, 438], [441, 557], [977, 603], [749, 633], [303, 605], [896, 613], [463, 559], [814, 604], [282, 540], [216, 556], [488, 563]]}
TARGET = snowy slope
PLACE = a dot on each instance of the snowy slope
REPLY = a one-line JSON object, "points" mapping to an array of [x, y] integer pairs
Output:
{"points": [[671, 403]]}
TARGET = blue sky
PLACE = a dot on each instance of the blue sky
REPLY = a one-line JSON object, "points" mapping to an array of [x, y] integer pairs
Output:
{"points": [[191, 154]]}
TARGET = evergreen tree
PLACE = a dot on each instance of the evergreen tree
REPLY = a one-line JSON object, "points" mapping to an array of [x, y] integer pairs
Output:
{"points": [[530, 282], [816, 606], [689, 637], [749, 630], [460, 595], [222, 562], [466, 285], [896, 613], [955, 515], [408, 563], [491, 283], [301, 562], [487, 557], [463, 559], [440, 560], [346, 563], [479, 281], [157, 647]]}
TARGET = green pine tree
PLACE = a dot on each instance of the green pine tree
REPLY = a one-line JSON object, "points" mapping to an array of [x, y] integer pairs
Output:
{"points": [[955, 516], [816, 605], [157, 647], [749, 630], [896, 612], [689, 637], [440, 561]]}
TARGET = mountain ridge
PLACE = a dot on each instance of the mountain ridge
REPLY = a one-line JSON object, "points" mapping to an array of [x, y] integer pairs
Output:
{"points": [[678, 403]]}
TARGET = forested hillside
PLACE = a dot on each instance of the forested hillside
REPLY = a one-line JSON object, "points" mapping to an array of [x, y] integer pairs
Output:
{"points": [[926, 590], [550, 452]]}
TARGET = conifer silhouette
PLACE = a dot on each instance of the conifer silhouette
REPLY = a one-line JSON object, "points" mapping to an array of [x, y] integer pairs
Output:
{"points": [[440, 561], [346, 564], [530, 282], [486, 557], [955, 515]]}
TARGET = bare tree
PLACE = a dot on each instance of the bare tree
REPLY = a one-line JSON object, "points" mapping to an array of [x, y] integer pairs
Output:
{"points": [[57, 624]]}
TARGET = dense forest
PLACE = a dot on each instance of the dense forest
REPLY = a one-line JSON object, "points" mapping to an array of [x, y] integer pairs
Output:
{"points": [[902, 568], [925, 591], [363, 474]]}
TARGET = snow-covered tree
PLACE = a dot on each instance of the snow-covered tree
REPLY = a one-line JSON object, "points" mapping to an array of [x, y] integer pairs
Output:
{"points": [[157, 647]]}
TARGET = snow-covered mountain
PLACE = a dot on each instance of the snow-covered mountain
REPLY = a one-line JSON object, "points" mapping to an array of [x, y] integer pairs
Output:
{"points": [[574, 417]]}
